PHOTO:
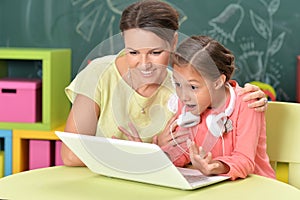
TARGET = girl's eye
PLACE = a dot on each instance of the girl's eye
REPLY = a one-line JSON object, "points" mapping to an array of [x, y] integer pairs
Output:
{"points": [[194, 87], [177, 84]]}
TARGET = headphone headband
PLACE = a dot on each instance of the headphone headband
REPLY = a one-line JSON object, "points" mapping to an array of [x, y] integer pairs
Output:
{"points": [[216, 122], [229, 110]]}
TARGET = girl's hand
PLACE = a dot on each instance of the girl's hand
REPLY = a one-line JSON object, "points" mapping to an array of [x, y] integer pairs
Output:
{"points": [[255, 93], [204, 163], [201, 161], [172, 141], [170, 136], [165, 137]]}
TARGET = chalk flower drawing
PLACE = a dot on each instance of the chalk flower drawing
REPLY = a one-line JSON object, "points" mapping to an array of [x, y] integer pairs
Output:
{"points": [[265, 30], [254, 64], [227, 23]]}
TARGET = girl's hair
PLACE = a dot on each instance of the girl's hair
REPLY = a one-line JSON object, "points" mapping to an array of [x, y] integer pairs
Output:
{"points": [[151, 15], [207, 56]]}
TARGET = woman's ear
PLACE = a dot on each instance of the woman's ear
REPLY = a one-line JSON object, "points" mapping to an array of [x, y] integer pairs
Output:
{"points": [[175, 41], [173, 48], [220, 81]]}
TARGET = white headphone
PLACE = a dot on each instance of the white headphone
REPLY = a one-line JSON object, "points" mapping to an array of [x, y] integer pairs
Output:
{"points": [[216, 122], [187, 119]]}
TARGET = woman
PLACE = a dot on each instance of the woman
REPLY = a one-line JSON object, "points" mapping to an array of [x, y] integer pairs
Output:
{"points": [[132, 89]]}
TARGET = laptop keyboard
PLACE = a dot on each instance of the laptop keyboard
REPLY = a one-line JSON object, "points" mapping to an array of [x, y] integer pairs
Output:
{"points": [[194, 179]]}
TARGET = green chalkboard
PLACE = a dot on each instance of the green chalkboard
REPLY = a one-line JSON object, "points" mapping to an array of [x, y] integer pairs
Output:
{"points": [[263, 34]]}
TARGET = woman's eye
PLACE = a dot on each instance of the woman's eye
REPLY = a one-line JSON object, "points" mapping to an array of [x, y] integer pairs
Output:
{"points": [[156, 52], [133, 52]]}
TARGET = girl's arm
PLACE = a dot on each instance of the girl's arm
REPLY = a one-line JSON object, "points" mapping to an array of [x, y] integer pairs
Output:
{"points": [[250, 126]]}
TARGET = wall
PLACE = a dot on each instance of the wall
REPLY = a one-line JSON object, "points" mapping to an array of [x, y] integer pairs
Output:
{"points": [[263, 34]]}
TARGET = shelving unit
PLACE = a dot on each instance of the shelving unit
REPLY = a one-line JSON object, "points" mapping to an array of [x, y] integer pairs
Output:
{"points": [[53, 68], [21, 145], [6, 135], [56, 75]]}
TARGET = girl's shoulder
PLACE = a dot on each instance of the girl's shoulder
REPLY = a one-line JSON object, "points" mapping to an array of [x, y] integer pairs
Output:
{"points": [[240, 104]]}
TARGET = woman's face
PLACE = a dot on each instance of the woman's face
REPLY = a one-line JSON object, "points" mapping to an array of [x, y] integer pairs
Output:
{"points": [[147, 56], [192, 89]]}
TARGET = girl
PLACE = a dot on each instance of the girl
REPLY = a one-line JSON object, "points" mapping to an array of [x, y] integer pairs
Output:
{"points": [[228, 138]]}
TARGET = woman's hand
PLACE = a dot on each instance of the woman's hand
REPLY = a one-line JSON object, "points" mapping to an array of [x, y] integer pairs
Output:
{"points": [[204, 163], [132, 135], [253, 92]]}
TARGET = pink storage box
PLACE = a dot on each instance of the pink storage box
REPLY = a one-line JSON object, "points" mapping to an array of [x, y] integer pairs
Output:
{"points": [[58, 160], [20, 100], [40, 154]]}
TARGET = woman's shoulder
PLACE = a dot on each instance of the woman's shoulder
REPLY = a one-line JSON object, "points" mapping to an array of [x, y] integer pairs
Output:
{"points": [[101, 62], [105, 59], [96, 67]]}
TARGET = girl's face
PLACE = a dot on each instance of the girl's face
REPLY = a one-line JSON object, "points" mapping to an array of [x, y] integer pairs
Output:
{"points": [[192, 89], [147, 56]]}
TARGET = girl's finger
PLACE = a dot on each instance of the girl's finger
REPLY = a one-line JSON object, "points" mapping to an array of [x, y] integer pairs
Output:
{"points": [[181, 133], [194, 148], [181, 139], [202, 152], [171, 122]]}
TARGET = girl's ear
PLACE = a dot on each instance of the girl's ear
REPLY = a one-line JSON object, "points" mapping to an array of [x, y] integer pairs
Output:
{"points": [[220, 81]]}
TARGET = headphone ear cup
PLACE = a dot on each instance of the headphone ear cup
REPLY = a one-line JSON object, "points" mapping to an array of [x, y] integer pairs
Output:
{"points": [[215, 124]]}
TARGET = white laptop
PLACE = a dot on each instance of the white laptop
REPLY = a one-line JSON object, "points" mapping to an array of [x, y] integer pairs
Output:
{"points": [[136, 161]]}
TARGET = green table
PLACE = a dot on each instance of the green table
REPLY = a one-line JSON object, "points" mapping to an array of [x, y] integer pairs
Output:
{"points": [[65, 183]]}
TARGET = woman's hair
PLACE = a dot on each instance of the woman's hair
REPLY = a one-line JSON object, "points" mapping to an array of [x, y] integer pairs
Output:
{"points": [[206, 55], [151, 15]]}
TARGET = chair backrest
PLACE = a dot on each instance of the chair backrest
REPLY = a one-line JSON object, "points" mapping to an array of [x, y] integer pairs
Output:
{"points": [[283, 140]]}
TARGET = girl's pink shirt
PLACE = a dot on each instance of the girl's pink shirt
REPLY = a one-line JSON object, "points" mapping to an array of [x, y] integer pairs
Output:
{"points": [[245, 145]]}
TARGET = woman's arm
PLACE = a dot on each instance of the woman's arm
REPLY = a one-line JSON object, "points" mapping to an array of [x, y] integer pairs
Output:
{"points": [[253, 92], [83, 119]]}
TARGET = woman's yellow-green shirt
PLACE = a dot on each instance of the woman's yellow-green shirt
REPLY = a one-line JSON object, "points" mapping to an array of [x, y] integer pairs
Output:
{"points": [[119, 103]]}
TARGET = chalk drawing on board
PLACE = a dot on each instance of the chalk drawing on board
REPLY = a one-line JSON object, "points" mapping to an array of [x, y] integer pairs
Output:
{"points": [[226, 24], [250, 60], [264, 27], [103, 14], [75, 2], [87, 25], [256, 60], [117, 6]]}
